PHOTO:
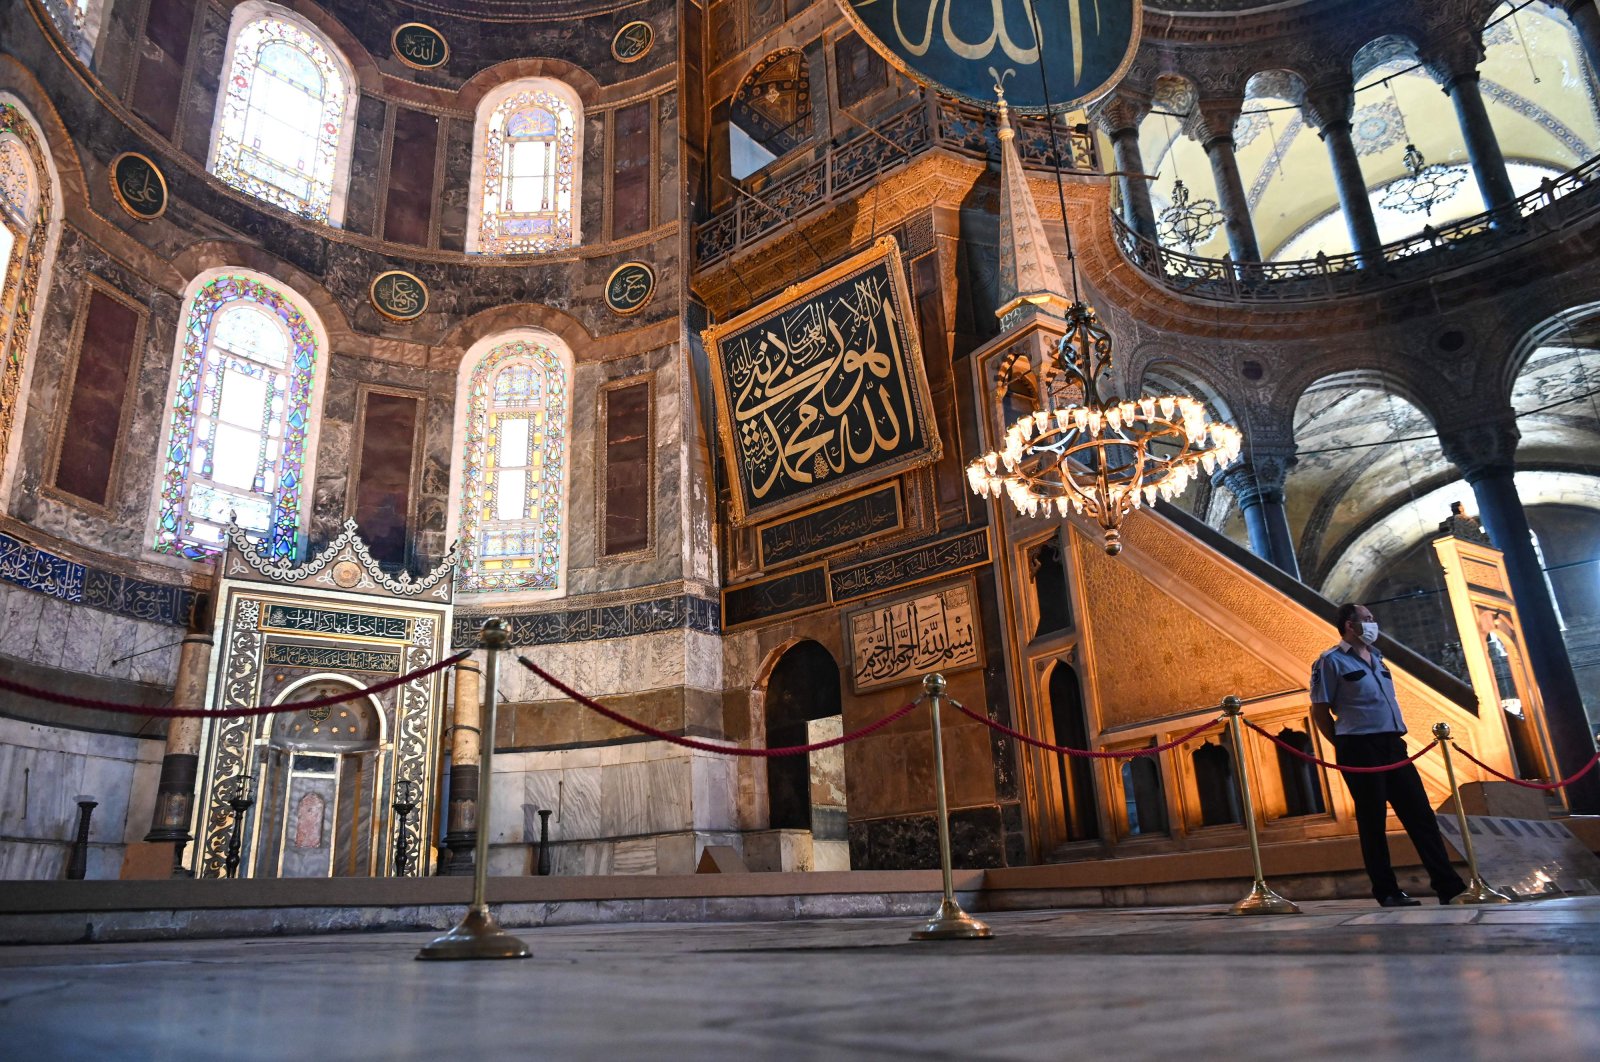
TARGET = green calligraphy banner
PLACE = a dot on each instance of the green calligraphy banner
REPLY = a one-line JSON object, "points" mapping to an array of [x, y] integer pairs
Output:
{"points": [[963, 47], [821, 390]]}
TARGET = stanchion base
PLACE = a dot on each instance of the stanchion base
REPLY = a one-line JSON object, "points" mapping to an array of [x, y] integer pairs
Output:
{"points": [[477, 936], [952, 923], [1478, 891], [1263, 901]]}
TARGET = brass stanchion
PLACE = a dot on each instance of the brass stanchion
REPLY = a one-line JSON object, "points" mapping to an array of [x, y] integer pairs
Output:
{"points": [[950, 922], [478, 936], [1477, 890], [1261, 900]]}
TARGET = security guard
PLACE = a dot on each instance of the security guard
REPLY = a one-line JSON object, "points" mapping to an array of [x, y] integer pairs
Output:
{"points": [[1353, 705]]}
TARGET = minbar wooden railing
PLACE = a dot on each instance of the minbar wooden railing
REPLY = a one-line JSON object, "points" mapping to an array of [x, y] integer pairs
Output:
{"points": [[894, 142]]}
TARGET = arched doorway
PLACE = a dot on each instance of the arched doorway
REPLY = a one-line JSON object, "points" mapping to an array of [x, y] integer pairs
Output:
{"points": [[320, 816], [808, 792], [1076, 772]]}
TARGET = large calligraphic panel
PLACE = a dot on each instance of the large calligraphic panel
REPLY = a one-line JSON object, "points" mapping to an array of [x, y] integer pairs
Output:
{"points": [[821, 390], [897, 641], [961, 46]]}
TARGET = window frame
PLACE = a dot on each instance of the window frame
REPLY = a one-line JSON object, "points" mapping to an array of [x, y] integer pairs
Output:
{"points": [[488, 107], [244, 16]]}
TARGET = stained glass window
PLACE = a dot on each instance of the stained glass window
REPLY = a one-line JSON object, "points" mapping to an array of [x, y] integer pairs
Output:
{"points": [[16, 207], [528, 175], [514, 470], [72, 18], [236, 445], [25, 203], [283, 114]]}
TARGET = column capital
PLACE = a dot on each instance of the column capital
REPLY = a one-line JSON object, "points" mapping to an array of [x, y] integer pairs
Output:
{"points": [[1328, 104], [1259, 478], [1212, 121], [1483, 448], [1453, 58], [1122, 111]]}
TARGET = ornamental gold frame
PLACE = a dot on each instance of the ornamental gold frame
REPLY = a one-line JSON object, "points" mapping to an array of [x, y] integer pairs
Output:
{"points": [[372, 295], [648, 47], [884, 248], [116, 193], [394, 37], [651, 294], [846, 9]]}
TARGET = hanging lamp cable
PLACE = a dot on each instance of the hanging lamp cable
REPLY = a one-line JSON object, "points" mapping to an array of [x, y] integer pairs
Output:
{"points": [[1055, 149]]}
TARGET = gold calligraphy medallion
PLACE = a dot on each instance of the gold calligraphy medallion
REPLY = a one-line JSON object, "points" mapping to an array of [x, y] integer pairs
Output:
{"points": [[138, 186], [633, 42], [419, 46], [398, 295], [629, 287]]}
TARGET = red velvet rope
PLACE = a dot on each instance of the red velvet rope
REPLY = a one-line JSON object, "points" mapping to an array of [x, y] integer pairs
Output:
{"points": [[705, 746], [203, 713], [1085, 753], [1291, 750], [1546, 786]]}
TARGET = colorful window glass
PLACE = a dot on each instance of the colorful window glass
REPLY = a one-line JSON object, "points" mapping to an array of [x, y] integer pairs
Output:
{"points": [[283, 111], [25, 204], [70, 16], [236, 447], [514, 470], [528, 175]]}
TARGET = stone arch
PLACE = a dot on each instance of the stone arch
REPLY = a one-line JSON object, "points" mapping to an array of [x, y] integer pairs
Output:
{"points": [[770, 112], [1397, 44], [802, 687]]}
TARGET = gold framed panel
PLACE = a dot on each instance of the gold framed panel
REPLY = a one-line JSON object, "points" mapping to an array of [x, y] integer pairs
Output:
{"points": [[899, 525], [952, 659], [984, 557], [602, 452], [650, 292], [418, 435], [633, 41], [903, 338], [69, 383], [389, 312]]}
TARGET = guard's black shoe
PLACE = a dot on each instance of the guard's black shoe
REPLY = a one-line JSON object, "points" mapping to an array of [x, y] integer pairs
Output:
{"points": [[1399, 899]]}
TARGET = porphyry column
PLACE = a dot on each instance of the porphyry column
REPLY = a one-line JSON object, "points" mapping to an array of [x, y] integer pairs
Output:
{"points": [[180, 765], [466, 736]]}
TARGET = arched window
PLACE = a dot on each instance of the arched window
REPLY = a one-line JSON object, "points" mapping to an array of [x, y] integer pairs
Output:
{"points": [[79, 22], [514, 468], [25, 211], [526, 170], [285, 115], [770, 114], [237, 441]]}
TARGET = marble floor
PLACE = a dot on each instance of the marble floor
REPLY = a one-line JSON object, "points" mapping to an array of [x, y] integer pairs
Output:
{"points": [[1344, 980]]}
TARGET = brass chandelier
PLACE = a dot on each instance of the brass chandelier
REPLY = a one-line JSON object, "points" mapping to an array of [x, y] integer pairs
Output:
{"points": [[1099, 456]]}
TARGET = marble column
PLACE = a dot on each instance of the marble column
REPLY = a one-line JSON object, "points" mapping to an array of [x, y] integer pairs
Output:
{"points": [[1120, 117], [466, 733], [181, 762], [1329, 109], [1454, 64], [1213, 127], [1257, 485], [1585, 16], [1485, 452]]}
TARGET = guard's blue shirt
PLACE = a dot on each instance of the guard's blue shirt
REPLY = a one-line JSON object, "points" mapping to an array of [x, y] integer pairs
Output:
{"points": [[1360, 695]]}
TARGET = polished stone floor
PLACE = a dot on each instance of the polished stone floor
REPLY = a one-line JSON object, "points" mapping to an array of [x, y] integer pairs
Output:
{"points": [[1344, 980]]}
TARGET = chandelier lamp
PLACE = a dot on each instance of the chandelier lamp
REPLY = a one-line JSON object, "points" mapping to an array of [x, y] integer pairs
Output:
{"points": [[1099, 456]]}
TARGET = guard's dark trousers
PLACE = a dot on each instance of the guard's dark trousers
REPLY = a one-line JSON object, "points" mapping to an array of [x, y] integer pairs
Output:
{"points": [[1401, 787]]}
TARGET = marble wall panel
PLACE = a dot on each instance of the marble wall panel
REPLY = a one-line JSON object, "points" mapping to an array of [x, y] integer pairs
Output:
{"points": [[361, 196], [634, 857]]}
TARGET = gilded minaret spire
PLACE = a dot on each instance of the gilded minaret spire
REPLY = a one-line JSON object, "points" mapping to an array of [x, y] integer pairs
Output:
{"points": [[1029, 275]]}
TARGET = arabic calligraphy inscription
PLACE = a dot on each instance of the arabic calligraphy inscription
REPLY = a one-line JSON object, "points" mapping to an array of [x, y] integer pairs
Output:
{"points": [[893, 643], [138, 186], [852, 521], [420, 46], [398, 295], [821, 390]]}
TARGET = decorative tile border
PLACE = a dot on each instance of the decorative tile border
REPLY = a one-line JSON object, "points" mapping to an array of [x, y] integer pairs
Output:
{"points": [[596, 624], [45, 573]]}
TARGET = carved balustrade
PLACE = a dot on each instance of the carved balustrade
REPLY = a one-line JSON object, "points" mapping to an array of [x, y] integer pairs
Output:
{"points": [[1558, 203], [843, 168]]}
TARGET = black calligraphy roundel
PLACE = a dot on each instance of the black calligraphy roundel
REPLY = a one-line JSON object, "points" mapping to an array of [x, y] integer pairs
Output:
{"points": [[629, 287], [419, 46], [964, 47], [633, 42], [398, 295], [138, 186]]}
